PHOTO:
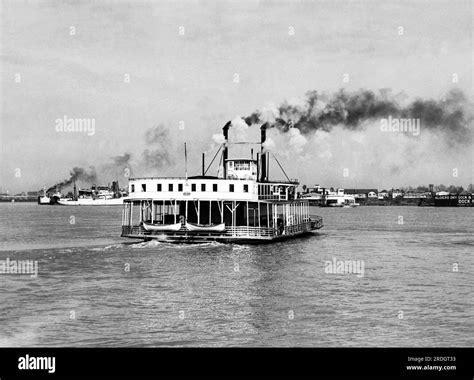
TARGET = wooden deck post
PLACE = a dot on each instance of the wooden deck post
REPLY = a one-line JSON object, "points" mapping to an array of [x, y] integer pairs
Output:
{"points": [[222, 212], [174, 212], [186, 211], [199, 211], [163, 213], [247, 211], [267, 211], [258, 205], [232, 213], [299, 212]]}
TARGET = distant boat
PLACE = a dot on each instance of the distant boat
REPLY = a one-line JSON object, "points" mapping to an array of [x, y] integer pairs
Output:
{"points": [[97, 196], [91, 202], [44, 200], [341, 200], [351, 205]]}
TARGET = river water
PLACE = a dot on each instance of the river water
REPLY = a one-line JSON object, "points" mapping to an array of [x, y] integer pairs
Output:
{"points": [[96, 289]]}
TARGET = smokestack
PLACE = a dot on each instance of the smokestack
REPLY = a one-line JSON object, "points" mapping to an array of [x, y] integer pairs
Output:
{"points": [[203, 170], [258, 166], [225, 132], [263, 155], [267, 172]]}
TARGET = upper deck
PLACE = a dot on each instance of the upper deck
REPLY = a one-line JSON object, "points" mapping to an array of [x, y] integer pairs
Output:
{"points": [[210, 188]]}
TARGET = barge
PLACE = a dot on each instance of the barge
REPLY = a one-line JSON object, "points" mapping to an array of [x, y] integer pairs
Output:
{"points": [[239, 205]]}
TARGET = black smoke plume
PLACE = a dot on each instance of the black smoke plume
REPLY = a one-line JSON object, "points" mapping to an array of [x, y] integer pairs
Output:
{"points": [[120, 166], [352, 109], [76, 174], [122, 161]]}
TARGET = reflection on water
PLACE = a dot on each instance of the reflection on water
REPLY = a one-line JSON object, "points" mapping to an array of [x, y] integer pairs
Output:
{"points": [[96, 289]]}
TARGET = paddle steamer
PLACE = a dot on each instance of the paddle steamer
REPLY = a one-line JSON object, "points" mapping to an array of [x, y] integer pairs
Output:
{"points": [[239, 205]]}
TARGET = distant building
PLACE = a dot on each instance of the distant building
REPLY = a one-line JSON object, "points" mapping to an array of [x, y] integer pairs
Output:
{"points": [[383, 194], [397, 193], [317, 189], [361, 193], [414, 194], [372, 194]]}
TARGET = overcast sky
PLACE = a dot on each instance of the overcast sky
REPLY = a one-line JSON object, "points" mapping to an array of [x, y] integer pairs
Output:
{"points": [[72, 58]]}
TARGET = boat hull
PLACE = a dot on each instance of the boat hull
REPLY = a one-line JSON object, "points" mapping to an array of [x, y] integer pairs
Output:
{"points": [[92, 202], [236, 235], [200, 238], [44, 200]]}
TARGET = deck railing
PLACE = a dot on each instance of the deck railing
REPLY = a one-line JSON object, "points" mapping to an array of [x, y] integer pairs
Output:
{"points": [[249, 231], [229, 231], [133, 230], [273, 197], [315, 222]]}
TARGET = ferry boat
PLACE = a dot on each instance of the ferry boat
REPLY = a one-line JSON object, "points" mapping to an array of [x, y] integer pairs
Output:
{"points": [[239, 205], [338, 199], [343, 200]]}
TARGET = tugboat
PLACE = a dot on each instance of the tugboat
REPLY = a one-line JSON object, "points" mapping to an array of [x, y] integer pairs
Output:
{"points": [[239, 205], [44, 200]]}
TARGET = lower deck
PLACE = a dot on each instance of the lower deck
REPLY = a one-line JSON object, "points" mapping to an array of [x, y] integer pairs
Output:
{"points": [[192, 221]]}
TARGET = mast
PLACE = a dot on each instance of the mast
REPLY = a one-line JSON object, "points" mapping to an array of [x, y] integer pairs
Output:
{"points": [[185, 162], [203, 169]]}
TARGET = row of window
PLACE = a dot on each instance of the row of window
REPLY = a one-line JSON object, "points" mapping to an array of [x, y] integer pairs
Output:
{"points": [[159, 187]]}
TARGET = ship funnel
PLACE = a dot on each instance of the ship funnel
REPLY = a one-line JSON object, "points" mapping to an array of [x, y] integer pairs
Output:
{"points": [[225, 152], [263, 155]]}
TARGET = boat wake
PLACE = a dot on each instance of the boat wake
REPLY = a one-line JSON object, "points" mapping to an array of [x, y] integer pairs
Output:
{"points": [[108, 247], [155, 243], [147, 244]]}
